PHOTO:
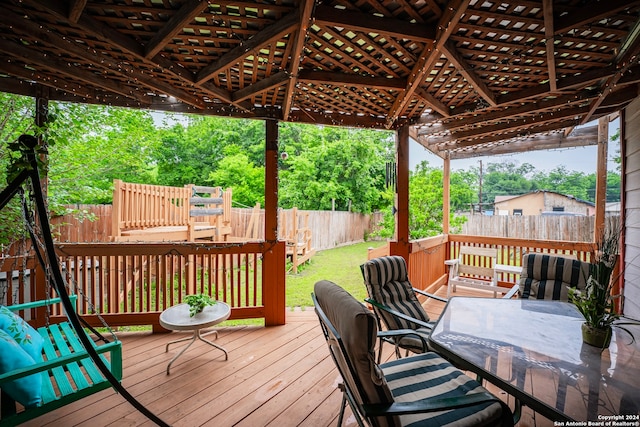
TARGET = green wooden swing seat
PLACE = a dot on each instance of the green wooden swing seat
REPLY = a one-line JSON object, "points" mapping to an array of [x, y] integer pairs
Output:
{"points": [[68, 372]]}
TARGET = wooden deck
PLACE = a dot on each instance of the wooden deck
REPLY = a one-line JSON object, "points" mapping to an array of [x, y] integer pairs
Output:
{"points": [[275, 376]]}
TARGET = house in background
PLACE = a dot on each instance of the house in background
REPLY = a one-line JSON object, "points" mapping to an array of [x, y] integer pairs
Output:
{"points": [[542, 202]]}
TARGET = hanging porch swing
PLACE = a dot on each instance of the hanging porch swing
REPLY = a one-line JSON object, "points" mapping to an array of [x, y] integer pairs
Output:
{"points": [[59, 363]]}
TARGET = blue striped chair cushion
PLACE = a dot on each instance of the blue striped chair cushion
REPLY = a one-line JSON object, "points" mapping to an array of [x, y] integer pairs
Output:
{"points": [[549, 277], [428, 375], [388, 284], [358, 329]]}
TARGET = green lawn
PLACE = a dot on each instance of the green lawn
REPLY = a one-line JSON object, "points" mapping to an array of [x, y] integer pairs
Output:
{"points": [[340, 265]]}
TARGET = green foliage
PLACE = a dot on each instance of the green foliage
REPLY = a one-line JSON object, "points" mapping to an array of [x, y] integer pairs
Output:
{"points": [[505, 179], [189, 154], [329, 166], [107, 143], [426, 202], [16, 118], [324, 167], [597, 301], [565, 182], [241, 175], [198, 302]]}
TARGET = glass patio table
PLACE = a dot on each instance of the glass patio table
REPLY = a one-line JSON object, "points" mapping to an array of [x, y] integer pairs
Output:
{"points": [[533, 350]]}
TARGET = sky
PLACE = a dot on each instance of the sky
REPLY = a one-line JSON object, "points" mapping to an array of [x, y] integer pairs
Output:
{"points": [[579, 159]]}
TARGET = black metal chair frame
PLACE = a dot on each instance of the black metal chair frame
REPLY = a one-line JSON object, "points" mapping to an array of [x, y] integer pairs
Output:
{"points": [[389, 335]]}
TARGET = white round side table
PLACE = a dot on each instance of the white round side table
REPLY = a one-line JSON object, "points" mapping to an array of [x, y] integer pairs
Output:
{"points": [[176, 318]]}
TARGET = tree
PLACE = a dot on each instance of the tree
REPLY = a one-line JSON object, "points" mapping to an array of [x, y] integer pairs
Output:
{"points": [[237, 172], [462, 194], [102, 144], [16, 118], [505, 179], [426, 202], [329, 166]]}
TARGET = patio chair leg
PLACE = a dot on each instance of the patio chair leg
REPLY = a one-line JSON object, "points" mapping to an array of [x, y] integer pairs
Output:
{"points": [[343, 405]]}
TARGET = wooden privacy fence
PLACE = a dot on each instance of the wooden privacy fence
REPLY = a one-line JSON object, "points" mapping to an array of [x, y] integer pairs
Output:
{"points": [[329, 229], [569, 228]]}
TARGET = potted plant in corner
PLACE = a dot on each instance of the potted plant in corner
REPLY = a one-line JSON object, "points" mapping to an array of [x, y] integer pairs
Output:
{"points": [[597, 301], [198, 302]]}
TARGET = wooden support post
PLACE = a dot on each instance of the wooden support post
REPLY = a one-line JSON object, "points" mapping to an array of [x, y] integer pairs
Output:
{"points": [[619, 287], [601, 177], [402, 246], [446, 194], [273, 261]]}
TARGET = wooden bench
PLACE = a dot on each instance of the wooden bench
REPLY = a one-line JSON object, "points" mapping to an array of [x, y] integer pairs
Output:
{"points": [[297, 235], [68, 372], [477, 268], [143, 212]]}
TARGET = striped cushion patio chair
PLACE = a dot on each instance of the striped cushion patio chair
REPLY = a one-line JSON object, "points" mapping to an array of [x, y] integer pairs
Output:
{"points": [[396, 305], [421, 390], [549, 277]]}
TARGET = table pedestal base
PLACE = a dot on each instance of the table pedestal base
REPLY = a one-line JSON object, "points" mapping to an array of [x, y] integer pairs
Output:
{"points": [[196, 335]]}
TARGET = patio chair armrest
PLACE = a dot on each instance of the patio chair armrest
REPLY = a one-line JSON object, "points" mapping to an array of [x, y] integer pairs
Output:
{"points": [[429, 404], [398, 314], [509, 269], [514, 290], [451, 262], [427, 294], [389, 335]]}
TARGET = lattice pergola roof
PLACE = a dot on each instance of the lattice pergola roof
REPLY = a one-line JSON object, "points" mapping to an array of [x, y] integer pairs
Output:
{"points": [[470, 76]]}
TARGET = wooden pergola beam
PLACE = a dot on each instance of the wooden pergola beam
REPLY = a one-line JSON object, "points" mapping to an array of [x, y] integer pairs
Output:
{"points": [[518, 124], [547, 11], [601, 177], [587, 15], [270, 33], [261, 85], [10, 84], [627, 57], [435, 104], [556, 140], [464, 68], [306, 9], [107, 34], [478, 119], [25, 26], [446, 26], [515, 133], [46, 62], [327, 77], [336, 119], [367, 23], [75, 9], [534, 143], [175, 25]]}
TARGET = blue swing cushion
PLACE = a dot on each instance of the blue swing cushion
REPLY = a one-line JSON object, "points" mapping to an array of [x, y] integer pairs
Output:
{"points": [[20, 347]]}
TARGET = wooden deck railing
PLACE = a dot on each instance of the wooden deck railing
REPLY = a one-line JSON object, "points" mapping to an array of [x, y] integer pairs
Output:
{"points": [[426, 260], [131, 284]]}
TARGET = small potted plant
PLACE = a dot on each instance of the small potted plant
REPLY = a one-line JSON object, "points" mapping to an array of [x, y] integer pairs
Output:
{"points": [[198, 302], [597, 301]]}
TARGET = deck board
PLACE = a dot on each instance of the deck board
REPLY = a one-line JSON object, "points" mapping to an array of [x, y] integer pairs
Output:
{"points": [[275, 376]]}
